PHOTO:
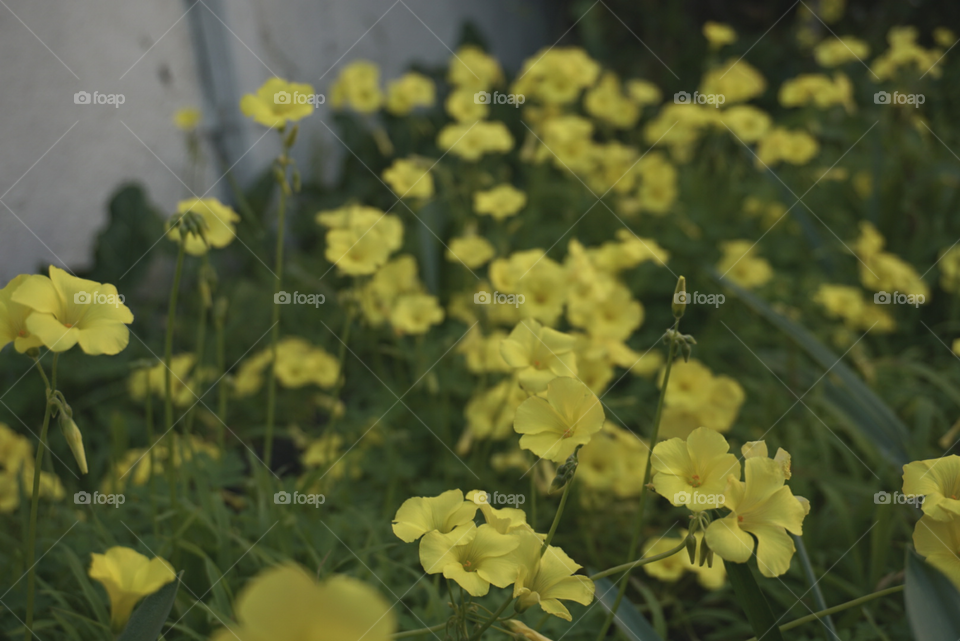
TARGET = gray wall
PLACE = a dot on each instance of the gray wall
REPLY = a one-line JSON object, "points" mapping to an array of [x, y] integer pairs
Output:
{"points": [[60, 161]]}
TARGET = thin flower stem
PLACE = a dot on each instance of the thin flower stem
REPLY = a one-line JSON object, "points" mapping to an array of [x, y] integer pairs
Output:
{"points": [[168, 381], [151, 460], [556, 518], [492, 619], [35, 497], [221, 384], [200, 347], [413, 633], [837, 608], [639, 562], [638, 526], [275, 329]]}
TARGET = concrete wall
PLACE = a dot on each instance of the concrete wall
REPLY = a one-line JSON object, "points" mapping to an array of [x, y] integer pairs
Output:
{"points": [[60, 161]]}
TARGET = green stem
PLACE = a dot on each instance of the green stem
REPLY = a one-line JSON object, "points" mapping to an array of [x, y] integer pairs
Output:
{"points": [[639, 562], [556, 518], [168, 378], [837, 608], [201, 344], [638, 525], [275, 329], [413, 633], [35, 497], [151, 460], [492, 619]]}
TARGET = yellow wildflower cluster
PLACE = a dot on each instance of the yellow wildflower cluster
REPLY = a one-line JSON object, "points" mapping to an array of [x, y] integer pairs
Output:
{"points": [[739, 262], [503, 551], [298, 363], [695, 397], [937, 533], [700, 473], [556, 75], [408, 92], [395, 294], [819, 90], [848, 304], [360, 239], [836, 51], [410, 178], [185, 381], [358, 87], [134, 466], [16, 471], [883, 271], [904, 53]]}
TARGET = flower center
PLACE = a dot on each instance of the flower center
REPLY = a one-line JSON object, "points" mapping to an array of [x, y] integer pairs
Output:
{"points": [[567, 433], [739, 519], [695, 481], [466, 565], [68, 325]]}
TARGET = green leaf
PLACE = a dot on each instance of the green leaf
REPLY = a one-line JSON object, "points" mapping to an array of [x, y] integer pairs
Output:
{"points": [[147, 620], [933, 602], [754, 604], [843, 388], [629, 620]]}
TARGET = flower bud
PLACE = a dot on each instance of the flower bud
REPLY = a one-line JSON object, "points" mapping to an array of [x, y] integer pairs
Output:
{"points": [[565, 472], [74, 439], [692, 549], [679, 298]]}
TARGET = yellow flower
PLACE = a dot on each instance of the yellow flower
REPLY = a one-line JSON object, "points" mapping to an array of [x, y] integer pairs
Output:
{"points": [[693, 473], [285, 603], [128, 576], [409, 178], [358, 87], [474, 557], [944, 37], [748, 123], [950, 269], [521, 629], [360, 239], [819, 90], [443, 514], [500, 202], [673, 567], [416, 313], [938, 481], [539, 353], [471, 141], [473, 251], [219, 221], [557, 75], [68, 310], [614, 316], [719, 34], [504, 520], [409, 91], [187, 119], [740, 264], [763, 507], [939, 543], [607, 102], [278, 102], [299, 363], [13, 319], [794, 147], [380, 293], [833, 52], [473, 69], [490, 413], [552, 428], [643, 93], [16, 457], [463, 107], [545, 580], [154, 379], [609, 462], [736, 80]]}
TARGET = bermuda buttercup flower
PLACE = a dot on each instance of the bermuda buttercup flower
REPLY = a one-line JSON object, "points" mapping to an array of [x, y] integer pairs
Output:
{"points": [[545, 580], [694, 470], [13, 319], [474, 557], [128, 576], [443, 514], [939, 543], [504, 520], [219, 225], [276, 103], [762, 507], [938, 480], [539, 353], [68, 310], [287, 604], [553, 427]]}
